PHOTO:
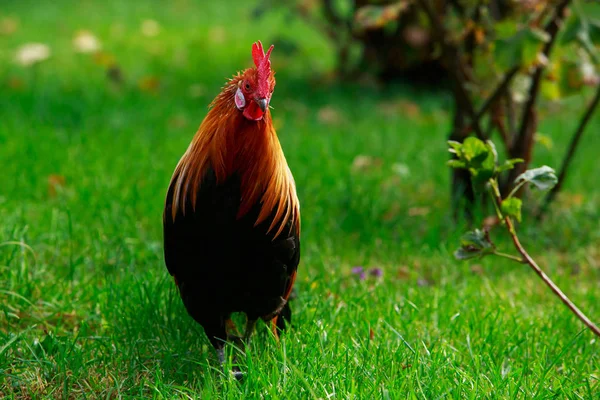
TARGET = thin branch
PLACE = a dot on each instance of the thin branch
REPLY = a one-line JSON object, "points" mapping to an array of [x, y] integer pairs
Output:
{"points": [[571, 152], [511, 119], [551, 29], [455, 67], [498, 92], [510, 257], [530, 261]]}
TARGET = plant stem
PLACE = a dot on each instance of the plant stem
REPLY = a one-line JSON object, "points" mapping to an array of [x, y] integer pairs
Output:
{"points": [[522, 145], [530, 261], [510, 257], [498, 92], [571, 152], [516, 188]]}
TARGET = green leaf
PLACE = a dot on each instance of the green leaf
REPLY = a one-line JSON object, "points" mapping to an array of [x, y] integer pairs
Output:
{"points": [[594, 30], [509, 164], [477, 156], [476, 238], [455, 147], [512, 207], [456, 164], [505, 29], [493, 150], [543, 178], [473, 244], [571, 30], [464, 253], [570, 79], [520, 48], [377, 16], [475, 151]]}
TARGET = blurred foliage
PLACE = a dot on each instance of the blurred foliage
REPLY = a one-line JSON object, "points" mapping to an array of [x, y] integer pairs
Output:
{"points": [[499, 58]]}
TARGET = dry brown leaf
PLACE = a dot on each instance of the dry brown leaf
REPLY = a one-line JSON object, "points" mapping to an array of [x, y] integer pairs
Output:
{"points": [[403, 108], [363, 162], [149, 84], [416, 36], [392, 212], [104, 59], [568, 200], [490, 222], [329, 115], [15, 83], [55, 184], [477, 269], [418, 211], [8, 26], [403, 273]]}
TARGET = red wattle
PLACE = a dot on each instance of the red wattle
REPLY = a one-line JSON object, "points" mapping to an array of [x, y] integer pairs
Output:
{"points": [[253, 111]]}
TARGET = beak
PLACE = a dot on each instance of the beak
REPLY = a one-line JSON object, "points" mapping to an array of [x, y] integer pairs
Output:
{"points": [[263, 104]]}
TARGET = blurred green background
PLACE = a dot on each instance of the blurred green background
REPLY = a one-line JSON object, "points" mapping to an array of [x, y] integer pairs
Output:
{"points": [[89, 137]]}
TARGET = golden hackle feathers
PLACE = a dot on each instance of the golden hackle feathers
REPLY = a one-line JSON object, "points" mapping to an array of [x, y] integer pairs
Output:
{"points": [[229, 143]]}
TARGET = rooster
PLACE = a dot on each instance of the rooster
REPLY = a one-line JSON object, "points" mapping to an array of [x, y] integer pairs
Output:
{"points": [[232, 217]]}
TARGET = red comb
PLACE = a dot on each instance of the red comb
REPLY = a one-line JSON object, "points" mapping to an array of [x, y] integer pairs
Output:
{"points": [[263, 66]]}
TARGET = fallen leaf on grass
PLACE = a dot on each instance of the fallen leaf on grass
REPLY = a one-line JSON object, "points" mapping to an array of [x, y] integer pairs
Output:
{"points": [[490, 222], [392, 212], [402, 108], [55, 184], [569, 200], [104, 59], [418, 211], [477, 269], [15, 83], [403, 273], [86, 42], [150, 28], [149, 84], [8, 26], [401, 169], [329, 116], [32, 53], [363, 162]]}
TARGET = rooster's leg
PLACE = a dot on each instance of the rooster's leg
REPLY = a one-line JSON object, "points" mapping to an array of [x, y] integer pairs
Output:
{"points": [[218, 335], [250, 324]]}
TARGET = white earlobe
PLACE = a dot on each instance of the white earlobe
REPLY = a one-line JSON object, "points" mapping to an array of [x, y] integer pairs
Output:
{"points": [[240, 101]]}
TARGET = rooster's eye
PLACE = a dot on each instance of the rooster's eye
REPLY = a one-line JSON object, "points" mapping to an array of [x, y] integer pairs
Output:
{"points": [[247, 86]]}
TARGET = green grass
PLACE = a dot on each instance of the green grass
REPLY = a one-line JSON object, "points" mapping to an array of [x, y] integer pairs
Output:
{"points": [[88, 309]]}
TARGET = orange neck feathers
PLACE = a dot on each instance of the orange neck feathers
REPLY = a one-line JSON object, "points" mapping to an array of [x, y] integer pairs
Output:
{"points": [[229, 143]]}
